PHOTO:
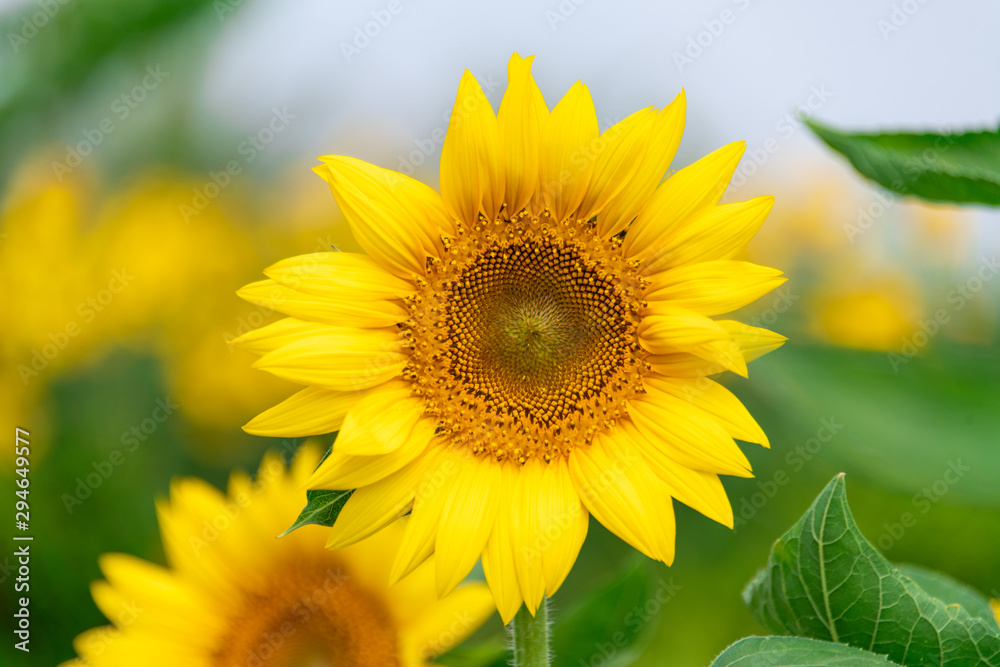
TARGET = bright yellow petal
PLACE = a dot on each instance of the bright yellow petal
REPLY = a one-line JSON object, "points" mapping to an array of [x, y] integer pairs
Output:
{"points": [[472, 175], [466, 522], [677, 330], [718, 232], [618, 488], [428, 503], [526, 531], [716, 400], [345, 359], [563, 521], [521, 120], [339, 276], [370, 508], [344, 471], [381, 421], [713, 288], [699, 490], [619, 152], [312, 411], [689, 437], [372, 313], [567, 158], [664, 137], [278, 334], [753, 341], [498, 557], [396, 219], [693, 188]]}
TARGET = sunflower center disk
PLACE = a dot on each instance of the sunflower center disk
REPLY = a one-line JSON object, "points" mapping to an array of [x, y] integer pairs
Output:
{"points": [[312, 616], [524, 338]]}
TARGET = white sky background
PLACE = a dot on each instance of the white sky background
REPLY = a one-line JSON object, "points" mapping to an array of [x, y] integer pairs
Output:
{"points": [[934, 71]]}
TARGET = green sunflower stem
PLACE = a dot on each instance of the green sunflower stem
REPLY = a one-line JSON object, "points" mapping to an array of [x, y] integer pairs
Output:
{"points": [[530, 636]]}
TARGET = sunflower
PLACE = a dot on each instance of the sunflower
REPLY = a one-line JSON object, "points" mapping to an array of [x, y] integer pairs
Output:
{"points": [[531, 346], [235, 595]]}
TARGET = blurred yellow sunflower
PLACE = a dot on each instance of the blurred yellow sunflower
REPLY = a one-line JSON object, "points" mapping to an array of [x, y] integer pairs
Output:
{"points": [[529, 346], [235, 595]]}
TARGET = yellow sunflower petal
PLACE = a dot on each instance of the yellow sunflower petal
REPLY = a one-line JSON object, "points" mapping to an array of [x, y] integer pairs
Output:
{"points": [[339, 276], [372, 313], [690, 438], [713, 288], [567, 159], [718, 232], [371, 508], [693, 188], [521, 119], [619, 152], [466, 522], [498, 557], [312, 411], [396, 219], [526, 531], [672, 330], [344, 471], [618, 488], [563, 524], [472, 174], [701, 491], [417, 544], [664, 138], [716, 400], [345, 359], [278, 334], [381, 421], [753, 341]]}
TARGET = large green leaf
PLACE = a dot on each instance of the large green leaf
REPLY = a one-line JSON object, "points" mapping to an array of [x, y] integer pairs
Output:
{"points": [[951, 591], [796, 652], [962, 168], [824, 580]]}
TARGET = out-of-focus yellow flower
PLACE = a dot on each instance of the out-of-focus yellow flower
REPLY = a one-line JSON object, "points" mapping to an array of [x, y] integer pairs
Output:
{"points": [[875, 316], [235, 595]]}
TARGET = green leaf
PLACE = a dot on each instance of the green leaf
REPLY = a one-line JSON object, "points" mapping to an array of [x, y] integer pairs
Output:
{"points": [[322, 507], [824, 580], [796, 652], [951, 591], [962, 168]]}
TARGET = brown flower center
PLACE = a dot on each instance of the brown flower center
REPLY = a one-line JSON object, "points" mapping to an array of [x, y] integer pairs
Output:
{"points": [[310, 615], [524, 337]]}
